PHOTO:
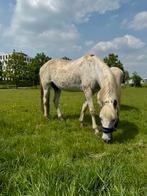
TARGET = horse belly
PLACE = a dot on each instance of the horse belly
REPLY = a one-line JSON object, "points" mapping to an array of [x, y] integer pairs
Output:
{"points": [[68, 83]]}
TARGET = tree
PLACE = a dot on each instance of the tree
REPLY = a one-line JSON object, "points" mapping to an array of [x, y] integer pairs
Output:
{"points": [[35, 65], [16, 69], [66, 58], [136, 80], [126, 75], [112, 61], [1, 71]]}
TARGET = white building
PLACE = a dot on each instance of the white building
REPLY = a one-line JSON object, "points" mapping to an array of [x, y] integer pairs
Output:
{"points": [[4, 58], [130, 82], [144, 81]]}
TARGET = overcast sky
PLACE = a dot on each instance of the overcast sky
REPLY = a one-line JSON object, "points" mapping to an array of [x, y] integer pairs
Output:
{"points": [[75, 27]]}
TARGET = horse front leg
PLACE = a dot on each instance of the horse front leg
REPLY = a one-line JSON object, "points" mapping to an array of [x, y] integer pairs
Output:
{"points": [[89, 98], [83, 110]]}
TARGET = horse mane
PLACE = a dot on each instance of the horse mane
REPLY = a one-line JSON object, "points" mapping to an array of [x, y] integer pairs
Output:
{"points": [[108, 89], [108, 92]]}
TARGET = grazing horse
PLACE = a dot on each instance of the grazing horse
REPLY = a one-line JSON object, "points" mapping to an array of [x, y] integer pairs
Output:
{"points": [[88, 74]]}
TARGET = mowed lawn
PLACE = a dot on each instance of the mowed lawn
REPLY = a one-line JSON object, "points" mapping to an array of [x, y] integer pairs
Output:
{"points": [[47, 158]]}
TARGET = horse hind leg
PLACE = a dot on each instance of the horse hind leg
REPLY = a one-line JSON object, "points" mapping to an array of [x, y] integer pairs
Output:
{"points": [[46, 97], [57, 94], [84, 108]]}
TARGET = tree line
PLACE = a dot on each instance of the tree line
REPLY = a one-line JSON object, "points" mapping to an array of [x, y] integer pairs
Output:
{"points": [[21, 73], [113, 61]]}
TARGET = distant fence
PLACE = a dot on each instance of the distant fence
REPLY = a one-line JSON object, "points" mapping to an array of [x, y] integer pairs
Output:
{"points": [[21, 84]]}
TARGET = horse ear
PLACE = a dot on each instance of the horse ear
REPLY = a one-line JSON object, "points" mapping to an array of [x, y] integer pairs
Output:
{"points": [[115, 103]]}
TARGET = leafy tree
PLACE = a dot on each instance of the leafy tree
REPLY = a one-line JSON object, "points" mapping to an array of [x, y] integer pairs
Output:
{"points": [[16, 69], [35, 65], [136, 80], [1, 72], [66, 58], [126, 75], [113, 61]]}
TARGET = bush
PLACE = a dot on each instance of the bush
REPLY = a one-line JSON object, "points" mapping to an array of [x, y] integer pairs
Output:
{"points": [[136, 80]]}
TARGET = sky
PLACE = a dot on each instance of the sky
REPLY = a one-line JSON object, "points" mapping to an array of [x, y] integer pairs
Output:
{"points": [[74, 28]]}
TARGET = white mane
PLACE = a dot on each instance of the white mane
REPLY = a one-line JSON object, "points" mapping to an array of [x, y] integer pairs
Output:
{"points": [[107, 82]]}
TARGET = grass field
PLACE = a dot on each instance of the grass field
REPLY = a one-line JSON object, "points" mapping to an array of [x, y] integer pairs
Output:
{"points": [[47, 158]]}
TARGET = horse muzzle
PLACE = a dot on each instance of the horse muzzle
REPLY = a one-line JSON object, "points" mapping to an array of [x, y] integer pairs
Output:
{"points": [[107, 137], [107, 132]]}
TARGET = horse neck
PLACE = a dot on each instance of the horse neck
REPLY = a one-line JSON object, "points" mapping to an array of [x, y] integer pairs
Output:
{"points": [[108, 90], [107, 82]]}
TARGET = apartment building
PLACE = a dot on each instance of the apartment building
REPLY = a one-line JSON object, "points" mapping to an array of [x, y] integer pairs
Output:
{"points": [[4, 58]]}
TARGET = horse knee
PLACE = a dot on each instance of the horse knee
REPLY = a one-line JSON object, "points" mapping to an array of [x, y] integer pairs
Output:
{"points": [[92, 112], [45, 101]]}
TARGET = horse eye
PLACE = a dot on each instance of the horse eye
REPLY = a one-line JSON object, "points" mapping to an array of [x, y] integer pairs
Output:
{"points": [[113, 120]]}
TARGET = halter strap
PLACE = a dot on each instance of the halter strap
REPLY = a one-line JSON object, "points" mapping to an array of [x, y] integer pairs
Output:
{"points": [[107, 130]]}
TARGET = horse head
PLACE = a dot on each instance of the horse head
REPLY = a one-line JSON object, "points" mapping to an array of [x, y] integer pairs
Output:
{"points": [[109, 118]]}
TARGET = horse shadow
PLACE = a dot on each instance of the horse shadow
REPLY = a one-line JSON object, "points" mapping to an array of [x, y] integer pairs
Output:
{"points": [[127, 131], [87, 118], [124, 107]]}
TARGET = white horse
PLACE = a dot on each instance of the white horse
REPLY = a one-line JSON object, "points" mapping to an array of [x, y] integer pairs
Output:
{"points": [[88, 74]]}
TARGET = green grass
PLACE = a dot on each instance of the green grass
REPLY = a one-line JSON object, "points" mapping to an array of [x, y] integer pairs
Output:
{"points": [[39, 157]]}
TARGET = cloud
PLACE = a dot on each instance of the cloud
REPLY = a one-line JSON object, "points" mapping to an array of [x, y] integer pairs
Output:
{"points": [[0, 28], [131, 51], [51, 25], [136, 61], [89, 43], [82, 9], [118, 43], [139, 21]]}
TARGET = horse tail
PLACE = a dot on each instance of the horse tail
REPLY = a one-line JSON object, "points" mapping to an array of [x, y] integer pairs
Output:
{"points": [[41, 94]]}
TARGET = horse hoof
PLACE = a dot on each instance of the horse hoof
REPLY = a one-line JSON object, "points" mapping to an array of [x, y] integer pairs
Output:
{"points": [[60, 118], [96, 131], [81, 125], [46, 118]]}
